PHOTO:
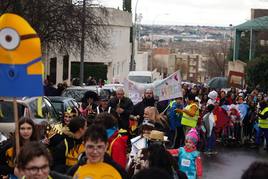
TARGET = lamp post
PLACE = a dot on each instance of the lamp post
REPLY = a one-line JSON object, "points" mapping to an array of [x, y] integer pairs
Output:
{"points": [[231, 39], [132, 60]]}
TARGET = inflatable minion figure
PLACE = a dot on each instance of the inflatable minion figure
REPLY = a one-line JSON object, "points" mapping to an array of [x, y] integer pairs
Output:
{"points": [[21, 68]]}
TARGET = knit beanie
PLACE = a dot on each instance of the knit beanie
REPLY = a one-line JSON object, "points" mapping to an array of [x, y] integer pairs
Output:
{"points": [[192, 135], [213, 95]]}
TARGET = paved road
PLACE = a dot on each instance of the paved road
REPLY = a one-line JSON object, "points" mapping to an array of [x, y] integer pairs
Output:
{"points": [[230, 163]]}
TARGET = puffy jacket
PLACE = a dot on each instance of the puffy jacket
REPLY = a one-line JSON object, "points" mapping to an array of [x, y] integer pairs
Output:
{"points": [[173, 117]]}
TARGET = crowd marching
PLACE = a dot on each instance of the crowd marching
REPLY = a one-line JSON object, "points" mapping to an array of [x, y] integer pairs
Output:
{"points": [[153, 139]]}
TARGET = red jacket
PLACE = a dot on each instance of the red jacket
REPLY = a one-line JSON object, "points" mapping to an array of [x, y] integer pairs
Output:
{"points": [[118, 148], [222, 119]]}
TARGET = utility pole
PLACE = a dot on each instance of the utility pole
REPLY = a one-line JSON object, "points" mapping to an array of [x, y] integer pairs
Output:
{"points": [[231, 49], [82, 52], [132, 60]]}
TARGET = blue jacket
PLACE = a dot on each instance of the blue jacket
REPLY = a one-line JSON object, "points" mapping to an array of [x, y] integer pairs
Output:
{"points": [[186, 162], [173, 117]]}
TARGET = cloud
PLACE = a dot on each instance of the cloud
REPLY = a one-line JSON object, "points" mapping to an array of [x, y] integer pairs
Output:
{"points": [[202, 12]]}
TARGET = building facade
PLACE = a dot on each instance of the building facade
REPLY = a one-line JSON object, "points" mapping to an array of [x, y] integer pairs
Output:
{"points": [[114, 58]]}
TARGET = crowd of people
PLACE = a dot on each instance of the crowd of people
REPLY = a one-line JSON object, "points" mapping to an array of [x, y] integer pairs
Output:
{"points": [[154, 139]]}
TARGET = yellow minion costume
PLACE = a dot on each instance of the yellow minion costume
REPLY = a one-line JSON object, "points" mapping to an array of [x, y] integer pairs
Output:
{"points": [[97, 171], [21, 68]]}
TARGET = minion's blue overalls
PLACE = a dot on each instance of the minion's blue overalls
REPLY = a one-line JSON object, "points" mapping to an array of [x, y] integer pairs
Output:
{"points": [[22, 83]]}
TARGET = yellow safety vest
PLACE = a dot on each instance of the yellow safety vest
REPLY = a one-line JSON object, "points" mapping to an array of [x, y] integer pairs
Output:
{"points": [[188, 120], [171, 103], [263, 123]]}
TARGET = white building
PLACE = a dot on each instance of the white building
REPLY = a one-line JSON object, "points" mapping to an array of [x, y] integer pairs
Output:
{"points": [[116, 57], [142, 61]]}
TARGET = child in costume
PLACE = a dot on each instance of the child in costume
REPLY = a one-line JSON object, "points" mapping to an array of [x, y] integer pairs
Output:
{"points": [[189, 160], [235, 123]]}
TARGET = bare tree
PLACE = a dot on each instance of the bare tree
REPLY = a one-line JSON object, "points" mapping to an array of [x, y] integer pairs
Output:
{"points": [[58, 22], [217, 53]]}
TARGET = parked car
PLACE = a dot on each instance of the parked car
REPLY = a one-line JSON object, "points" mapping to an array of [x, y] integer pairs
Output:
{"points": [[27, 107], [61, 104], [110, 88], [77, 92]]}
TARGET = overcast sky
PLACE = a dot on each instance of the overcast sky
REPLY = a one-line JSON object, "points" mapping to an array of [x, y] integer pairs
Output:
{"points": [[192, 12]]}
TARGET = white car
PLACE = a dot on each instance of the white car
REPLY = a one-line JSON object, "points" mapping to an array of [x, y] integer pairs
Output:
{"points": [[27, 107]]}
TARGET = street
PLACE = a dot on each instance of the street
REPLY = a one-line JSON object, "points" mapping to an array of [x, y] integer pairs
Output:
{"points": [[230, 163]]}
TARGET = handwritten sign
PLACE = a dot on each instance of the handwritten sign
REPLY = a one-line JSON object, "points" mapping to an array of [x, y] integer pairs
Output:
{"points": [[168, 88]]}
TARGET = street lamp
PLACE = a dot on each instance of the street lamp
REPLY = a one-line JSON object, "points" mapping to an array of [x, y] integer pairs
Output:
{"points": [[132, 60], [231, 39]]}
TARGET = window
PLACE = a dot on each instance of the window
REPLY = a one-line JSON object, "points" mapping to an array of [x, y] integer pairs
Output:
{"points": [[65, 67], [53, 70]]}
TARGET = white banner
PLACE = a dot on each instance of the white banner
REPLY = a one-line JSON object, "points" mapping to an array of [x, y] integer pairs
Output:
{"points": [[168, 88], [132, 91]]}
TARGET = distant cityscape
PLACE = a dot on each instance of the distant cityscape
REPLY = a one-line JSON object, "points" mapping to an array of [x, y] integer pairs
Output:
{"points": [[187, 33]]}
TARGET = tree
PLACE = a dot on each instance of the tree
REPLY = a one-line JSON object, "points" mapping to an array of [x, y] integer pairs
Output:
{"points": [[257, 73], [217, 53], [58, 22]]}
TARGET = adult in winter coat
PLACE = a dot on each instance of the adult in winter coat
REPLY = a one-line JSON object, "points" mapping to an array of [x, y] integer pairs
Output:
{"points": [[148, 100], [123, 107], [263, 122]]}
